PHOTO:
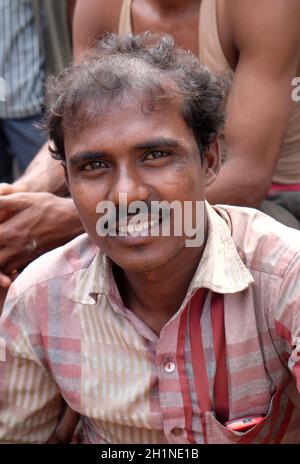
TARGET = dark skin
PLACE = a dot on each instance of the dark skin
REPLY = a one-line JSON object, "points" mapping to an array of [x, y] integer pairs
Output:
{"points": [[156, 270], [155, 306], [153, 276], [264, 65]]}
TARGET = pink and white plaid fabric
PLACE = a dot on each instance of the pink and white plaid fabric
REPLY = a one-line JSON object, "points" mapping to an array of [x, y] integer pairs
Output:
{"points": [[65, 333]]}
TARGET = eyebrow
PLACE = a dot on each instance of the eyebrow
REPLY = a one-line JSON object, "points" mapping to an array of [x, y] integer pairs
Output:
{"points": [[86, 156], [160, 142]]}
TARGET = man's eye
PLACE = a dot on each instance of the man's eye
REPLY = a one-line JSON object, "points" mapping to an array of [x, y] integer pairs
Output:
{"points": [[156, 155], [94, 165]]}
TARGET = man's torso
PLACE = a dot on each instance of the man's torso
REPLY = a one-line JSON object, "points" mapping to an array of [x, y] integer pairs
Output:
{"points": [[132, 386]]}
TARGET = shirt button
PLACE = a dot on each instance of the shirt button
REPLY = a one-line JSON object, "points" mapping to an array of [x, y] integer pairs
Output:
{"points": [[170, 366], [177, 432]]}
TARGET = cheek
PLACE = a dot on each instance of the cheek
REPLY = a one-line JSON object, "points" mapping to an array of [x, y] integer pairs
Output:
{"points": [[86, 205], [192, 179], [86, 195], [184, 183]]}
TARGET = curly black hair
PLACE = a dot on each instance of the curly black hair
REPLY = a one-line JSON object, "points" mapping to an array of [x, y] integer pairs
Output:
{"points": [[147, 65]]}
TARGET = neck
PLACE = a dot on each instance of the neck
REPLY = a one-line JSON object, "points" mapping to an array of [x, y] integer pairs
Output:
{"points": [[155, 296]]}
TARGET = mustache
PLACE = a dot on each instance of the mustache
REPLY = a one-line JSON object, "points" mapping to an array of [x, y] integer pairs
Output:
{"points": [[123, 215]]}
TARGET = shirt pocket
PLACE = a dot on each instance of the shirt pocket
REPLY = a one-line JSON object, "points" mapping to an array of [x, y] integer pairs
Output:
{"points": [[264, 432]]}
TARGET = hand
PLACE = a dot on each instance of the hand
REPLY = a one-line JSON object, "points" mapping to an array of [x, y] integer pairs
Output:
{"points": [[37, 222], [6, 189], [5, 282], [3, 293]]}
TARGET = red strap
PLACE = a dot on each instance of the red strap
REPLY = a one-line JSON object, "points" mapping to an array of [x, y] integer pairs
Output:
{"points": [[221, 377], [198, 359], [284, 188], [221, 397], [187, 405]]}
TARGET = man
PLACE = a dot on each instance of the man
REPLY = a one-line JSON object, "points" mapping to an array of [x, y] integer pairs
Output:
{"points": [[151, 338], [243, 38]]}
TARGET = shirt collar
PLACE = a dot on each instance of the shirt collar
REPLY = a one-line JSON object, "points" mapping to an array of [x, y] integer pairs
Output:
{"points": [[220, 268], [94, 280]]}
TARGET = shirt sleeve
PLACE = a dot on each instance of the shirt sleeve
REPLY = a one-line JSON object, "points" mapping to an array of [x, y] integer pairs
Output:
{"points": [[287, 317], [30, 401]]}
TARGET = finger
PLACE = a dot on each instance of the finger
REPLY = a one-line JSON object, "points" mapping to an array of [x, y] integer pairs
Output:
{"points": [[14, 274], [3, 216], [3, 293], [6, 189], [20, 259], [18, 186], [7, 254], [17, 263], [15, 231], [5, 281], [13, 202]]}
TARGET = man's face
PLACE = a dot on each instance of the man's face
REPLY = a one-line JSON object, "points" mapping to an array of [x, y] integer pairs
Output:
{"points": [[148, 155]]}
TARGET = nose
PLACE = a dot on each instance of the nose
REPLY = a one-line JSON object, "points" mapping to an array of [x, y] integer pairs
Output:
{"points": [[131, 184]]}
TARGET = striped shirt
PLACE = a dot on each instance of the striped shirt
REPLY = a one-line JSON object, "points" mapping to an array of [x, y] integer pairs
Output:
{"points": [[21, 60], [231, 350]]}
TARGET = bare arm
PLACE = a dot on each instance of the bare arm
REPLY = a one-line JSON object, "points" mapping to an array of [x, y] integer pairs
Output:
{"points": [[44, 174], [92, 18], [266, 34]]}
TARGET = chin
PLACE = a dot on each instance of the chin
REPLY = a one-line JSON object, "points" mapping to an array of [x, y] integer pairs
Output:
{"points": [[136, 264], [144, 256], [137, 268], [143, 260]]}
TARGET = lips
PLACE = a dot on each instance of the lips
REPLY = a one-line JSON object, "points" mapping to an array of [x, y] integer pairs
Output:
{"points": [[136, 225], [137, 228]]}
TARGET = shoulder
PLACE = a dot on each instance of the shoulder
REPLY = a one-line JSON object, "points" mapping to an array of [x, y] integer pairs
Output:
{"points": [[254, 23], [259, 13], [264, 245], [58, 264]]}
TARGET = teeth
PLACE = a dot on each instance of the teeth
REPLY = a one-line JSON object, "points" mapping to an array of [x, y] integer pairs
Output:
{"points": [[136, 228]]}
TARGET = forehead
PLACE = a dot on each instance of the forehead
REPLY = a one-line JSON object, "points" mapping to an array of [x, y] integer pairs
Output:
{"points": [[129, 122]]}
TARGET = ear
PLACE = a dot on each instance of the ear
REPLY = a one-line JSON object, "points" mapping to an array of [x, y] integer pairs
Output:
{"points": [[211, 163], [63, 163]]}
